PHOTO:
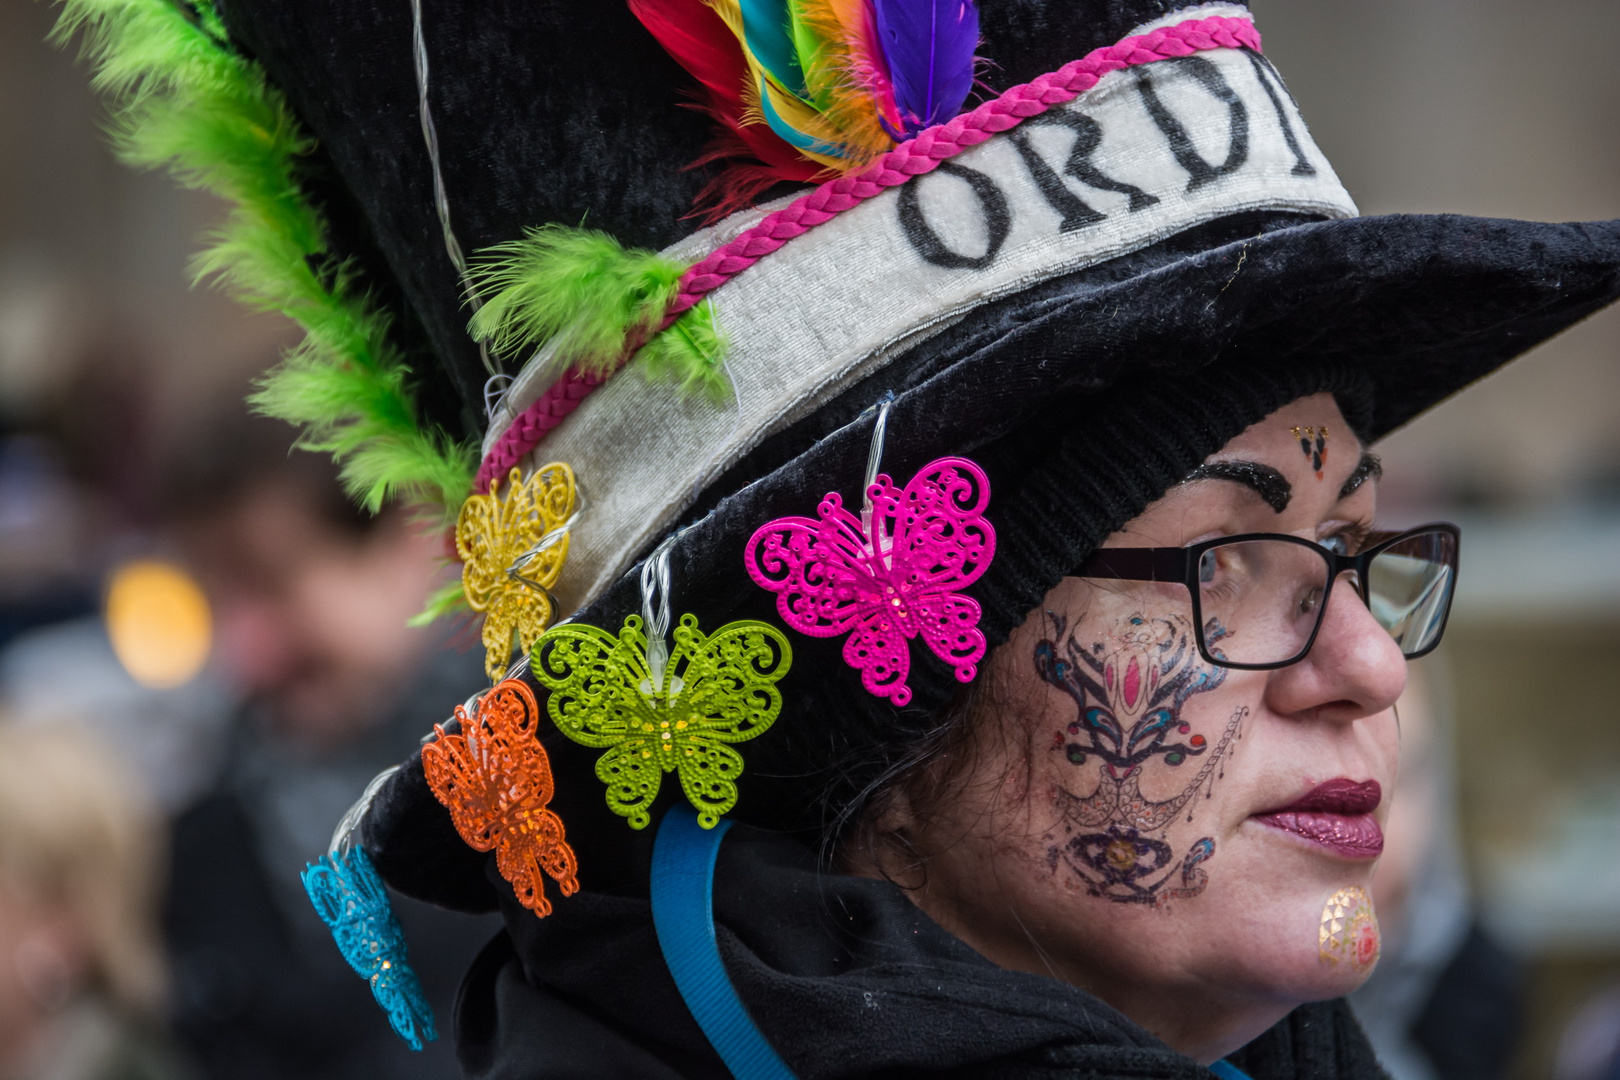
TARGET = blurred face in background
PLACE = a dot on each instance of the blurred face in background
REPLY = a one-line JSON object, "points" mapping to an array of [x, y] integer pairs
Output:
{"points": [[311, 612], [47, 958], [79, 850]]}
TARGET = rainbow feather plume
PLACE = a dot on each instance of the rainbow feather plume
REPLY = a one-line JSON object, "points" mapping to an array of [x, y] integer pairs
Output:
{"points": [[804, 90]]}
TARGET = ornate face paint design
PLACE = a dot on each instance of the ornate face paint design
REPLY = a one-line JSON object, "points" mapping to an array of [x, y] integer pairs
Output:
{"points": [[1349, 930], [1313, 441], [1129, 687]]}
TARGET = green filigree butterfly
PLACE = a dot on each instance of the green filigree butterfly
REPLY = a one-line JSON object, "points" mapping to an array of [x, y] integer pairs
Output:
{"points": [[658, 715]]}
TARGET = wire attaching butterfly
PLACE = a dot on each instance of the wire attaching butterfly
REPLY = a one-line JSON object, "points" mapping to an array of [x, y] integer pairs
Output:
{"points": [[495, 779], [891, 574], [350, 898]]}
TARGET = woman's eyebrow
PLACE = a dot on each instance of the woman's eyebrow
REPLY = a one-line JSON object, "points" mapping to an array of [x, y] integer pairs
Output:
{"points": [[1370, 468], [1268, 483]]}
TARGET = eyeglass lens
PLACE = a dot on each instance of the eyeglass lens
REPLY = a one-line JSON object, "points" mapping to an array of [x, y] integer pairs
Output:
{"points": [[1260, 601], [1409, 588]]}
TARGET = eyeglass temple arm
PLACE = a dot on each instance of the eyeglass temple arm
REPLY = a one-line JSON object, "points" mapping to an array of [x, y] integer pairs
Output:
{"points": [[1137, 564]]}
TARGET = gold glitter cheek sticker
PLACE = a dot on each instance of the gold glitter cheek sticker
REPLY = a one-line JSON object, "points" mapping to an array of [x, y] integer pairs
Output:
{"points": [[1349, 930], [512, 546]]}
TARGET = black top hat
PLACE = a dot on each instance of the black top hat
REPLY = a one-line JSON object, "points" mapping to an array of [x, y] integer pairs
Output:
{"points": [[1086, 259]]}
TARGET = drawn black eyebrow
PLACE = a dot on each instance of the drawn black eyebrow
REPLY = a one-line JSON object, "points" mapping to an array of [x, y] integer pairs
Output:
{"points": [[1370, 468], [1268, 483]]}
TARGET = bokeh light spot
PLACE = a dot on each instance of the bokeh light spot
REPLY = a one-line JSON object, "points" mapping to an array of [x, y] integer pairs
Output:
{"points": [[159, 623]]}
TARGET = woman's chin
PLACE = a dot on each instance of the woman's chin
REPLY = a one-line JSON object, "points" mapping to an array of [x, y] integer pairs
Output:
{"points": [[1307, 929], [1307, 971]]}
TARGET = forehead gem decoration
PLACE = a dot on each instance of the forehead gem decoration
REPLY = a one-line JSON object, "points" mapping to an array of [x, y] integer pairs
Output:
{"points": [[1313, 443]]}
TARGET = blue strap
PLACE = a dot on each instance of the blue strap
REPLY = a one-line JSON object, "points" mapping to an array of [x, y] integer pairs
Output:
{"points": [[683, 914]]}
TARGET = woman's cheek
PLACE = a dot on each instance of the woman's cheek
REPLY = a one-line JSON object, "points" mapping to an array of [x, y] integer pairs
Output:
{"points": [[1128, 758], [1142, 804]]}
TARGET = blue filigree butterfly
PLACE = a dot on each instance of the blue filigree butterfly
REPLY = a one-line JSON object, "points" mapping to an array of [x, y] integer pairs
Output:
{"points": [[350, 898]]}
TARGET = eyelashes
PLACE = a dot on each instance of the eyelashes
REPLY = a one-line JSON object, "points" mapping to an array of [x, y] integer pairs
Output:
{"points": [[1350, 538]]}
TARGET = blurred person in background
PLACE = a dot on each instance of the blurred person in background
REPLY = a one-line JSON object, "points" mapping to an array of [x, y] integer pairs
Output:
{"points": [[81, 973], [77, 513], [43, 519], [311, 599], [1446, 1001]]}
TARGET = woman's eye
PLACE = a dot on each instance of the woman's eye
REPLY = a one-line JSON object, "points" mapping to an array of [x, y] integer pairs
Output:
{"points": [[1348, 540]]}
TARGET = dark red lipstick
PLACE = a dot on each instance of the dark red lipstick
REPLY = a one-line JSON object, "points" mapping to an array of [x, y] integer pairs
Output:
{"points": [[1337, 815]]}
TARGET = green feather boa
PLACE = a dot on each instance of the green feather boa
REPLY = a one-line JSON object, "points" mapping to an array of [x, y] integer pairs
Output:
{"points": [[184, 100]]}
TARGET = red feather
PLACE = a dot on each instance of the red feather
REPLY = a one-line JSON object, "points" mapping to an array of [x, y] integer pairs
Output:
{"points": [[694, 34]]}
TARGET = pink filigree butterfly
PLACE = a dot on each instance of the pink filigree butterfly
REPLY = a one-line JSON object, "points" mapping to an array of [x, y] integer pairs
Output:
{"points": [[893, 573]]}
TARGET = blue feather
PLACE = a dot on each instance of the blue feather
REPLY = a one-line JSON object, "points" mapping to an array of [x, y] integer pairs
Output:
{"points": [[788, 133], [765, 24], [928, 46], [351, 900]]}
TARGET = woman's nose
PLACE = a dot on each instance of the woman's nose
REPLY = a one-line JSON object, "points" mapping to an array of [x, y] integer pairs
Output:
{"points": [[1354, 669]]}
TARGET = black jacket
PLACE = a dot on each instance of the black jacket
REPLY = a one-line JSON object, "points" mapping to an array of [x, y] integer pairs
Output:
{"points": [[845, 976]]}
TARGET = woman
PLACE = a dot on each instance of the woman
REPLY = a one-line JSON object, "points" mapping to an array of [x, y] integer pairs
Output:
{"points": [[928, 704]]}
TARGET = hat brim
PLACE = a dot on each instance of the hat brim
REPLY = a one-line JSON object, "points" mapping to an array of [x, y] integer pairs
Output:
{"points": [[1424, 304]]}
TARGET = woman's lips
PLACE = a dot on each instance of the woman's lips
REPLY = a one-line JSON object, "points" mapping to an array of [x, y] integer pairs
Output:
{"points": [[1337, 815]]}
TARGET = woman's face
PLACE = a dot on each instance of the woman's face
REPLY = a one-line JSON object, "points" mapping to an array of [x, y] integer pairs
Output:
{"points": [[1191, 843]]}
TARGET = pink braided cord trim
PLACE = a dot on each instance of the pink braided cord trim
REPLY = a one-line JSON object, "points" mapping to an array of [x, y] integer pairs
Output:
{"points": [[526, 431], [914, 157]]}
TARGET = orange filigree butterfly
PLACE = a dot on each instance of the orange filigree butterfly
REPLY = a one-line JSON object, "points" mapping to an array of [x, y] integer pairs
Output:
{"points": [[495, 779]]}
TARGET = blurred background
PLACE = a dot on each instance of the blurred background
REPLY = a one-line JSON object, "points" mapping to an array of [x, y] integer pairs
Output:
{"points": [[206, 612], [134, 495]]}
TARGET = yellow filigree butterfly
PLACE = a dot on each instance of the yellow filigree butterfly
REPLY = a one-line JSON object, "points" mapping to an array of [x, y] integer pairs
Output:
{"points": [[656, 715], [512, 548]]}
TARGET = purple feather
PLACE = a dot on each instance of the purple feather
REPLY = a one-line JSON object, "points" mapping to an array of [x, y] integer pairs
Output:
{"points": [[928, 46]]}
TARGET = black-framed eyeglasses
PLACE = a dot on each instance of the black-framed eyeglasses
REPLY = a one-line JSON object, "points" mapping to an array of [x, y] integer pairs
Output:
{"points": [[1258, 599]]}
